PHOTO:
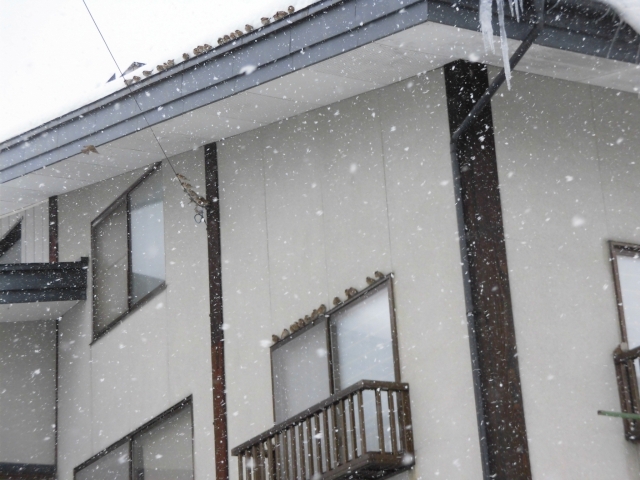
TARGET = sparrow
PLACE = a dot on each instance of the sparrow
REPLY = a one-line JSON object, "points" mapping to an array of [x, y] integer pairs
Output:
{"points": [[279, 14], [227, 38], [87, 149], [291, 9], [185, 56], [232, 36], [370, 281], [379, 275], [294, 327], [322, 309], [301, 323], [336, 301], [265, 21], [314, 315], [136, 78], [275, 338], [248, 28], [220, 41], [196, 51], [238, 33], [285, 333], [128, 82], [147, 73], [350, 292], [307, 319], [207, 47], [160, 68], [171, 63]]}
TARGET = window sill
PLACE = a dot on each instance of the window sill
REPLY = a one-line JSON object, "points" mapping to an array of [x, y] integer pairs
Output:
{"points": [[143, 301]]}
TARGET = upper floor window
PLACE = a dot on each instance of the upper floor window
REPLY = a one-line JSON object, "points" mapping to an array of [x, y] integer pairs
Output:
{"points": [[354, 341], [626, 269], [128, 252], [162, 449], [11, 245]]}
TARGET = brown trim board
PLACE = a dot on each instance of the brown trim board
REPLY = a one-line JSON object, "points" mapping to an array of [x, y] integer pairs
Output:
{"points": [[501, 421], [53, 229], [221, 448]]}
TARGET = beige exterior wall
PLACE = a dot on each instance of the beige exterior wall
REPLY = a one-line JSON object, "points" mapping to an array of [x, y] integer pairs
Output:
{"points": [[157, 356]]}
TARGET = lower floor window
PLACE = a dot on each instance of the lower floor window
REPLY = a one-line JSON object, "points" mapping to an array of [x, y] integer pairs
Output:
{"points": [[160, 450]]}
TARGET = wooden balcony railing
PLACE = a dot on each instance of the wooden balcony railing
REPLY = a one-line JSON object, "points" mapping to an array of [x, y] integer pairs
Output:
{"points": [[364, 430], [625, 362]]}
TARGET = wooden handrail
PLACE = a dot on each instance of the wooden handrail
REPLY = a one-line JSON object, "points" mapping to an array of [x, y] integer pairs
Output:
{"points": [[317, 408]]}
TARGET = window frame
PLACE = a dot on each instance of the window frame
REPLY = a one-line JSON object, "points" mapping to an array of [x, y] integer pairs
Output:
{"points": [[623, 358], [167, 414], [155, 169], [325, 318]]}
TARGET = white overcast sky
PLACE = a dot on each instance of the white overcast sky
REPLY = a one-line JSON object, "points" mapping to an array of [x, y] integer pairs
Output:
{"points": [[53, 59]]}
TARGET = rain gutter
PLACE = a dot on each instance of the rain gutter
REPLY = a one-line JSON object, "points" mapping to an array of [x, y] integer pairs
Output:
{"points": [[464, 249]]}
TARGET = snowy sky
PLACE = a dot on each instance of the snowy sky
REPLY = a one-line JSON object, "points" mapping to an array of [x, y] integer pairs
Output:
{"points": [[53, 59]]}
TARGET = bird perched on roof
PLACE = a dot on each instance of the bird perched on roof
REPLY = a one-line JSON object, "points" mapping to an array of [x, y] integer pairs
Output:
{"points": [[337, 301], [232, 36], [207, 47], [248, 28], [87, 149], [238, 33], [226, 38], [370, 281], [350, 292], [171, 63], [197, 50], [291, 9], [294, 327], [186, 56], [220, 41], [265, 20], [322, 309], [280, 14], [275, 338], [128, 82], [160, 68], [379, 275], [314, 315], [301, 323], [147, 73], [136, 78], [285, 333]]}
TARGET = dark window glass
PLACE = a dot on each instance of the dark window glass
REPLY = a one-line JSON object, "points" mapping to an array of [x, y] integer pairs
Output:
{"points": [[112, 466]]}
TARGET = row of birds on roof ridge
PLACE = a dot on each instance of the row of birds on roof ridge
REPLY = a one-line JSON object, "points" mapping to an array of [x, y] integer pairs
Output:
{"points": [[322, 310], [200, 49]]}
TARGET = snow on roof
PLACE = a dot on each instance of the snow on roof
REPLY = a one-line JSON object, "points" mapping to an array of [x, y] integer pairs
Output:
{"points": [[38, 88], [629, 11]]}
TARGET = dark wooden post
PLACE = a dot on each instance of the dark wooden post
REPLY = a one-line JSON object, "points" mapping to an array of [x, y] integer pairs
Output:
{"points": [[221, 450], [53, 229], [492, 333]]}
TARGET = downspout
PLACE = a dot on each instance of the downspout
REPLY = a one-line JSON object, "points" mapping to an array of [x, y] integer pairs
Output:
{"points": [[453, 148]]}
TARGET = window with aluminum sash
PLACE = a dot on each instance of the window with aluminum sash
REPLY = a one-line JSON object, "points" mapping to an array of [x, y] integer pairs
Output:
{"points": [[354, 341], [128, 252]]}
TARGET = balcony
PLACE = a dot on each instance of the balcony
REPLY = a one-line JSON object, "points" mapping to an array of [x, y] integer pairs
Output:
{"points": [[41, 291], [363, 431]]}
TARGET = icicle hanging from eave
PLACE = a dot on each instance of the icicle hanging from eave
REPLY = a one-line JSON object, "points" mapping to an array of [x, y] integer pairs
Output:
{"points": [[486, 27], [629, 11]]}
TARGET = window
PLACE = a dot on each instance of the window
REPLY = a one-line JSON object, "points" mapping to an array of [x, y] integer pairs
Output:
{"points": [[11, 246], [128, 252], [626, 268], [354, 341], [160, 450]]}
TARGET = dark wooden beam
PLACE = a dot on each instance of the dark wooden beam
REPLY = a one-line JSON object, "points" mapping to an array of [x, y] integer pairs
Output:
{"points": [[221, 450], [489, 298], [53, 229]]}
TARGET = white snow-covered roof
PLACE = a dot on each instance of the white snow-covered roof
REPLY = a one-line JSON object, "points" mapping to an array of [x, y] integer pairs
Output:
{"points": [[629, 11]]}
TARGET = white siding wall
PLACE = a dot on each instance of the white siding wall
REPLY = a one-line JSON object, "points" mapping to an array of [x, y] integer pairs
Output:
{"points": [[35, 232], [314, 205], [27, 392], [569, 171], [158, 355]]}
